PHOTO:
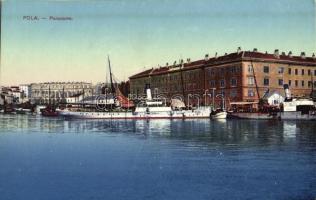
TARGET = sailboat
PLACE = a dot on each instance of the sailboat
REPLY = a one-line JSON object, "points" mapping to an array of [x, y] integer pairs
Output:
{"points": [[117, 106], [49, 110]]}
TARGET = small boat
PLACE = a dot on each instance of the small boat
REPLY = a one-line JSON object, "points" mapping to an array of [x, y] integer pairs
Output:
{"points": [[219, 114], [38, 109], [22, 111], [200, 112], [8, 109], [49, 112]]}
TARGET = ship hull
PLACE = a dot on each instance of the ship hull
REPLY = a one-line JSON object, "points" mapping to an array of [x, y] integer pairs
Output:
{"points": [[133, 115], [272, 116]]}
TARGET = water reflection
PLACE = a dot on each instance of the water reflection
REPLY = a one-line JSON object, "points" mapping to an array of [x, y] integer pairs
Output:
{"points": [[226, 132]]}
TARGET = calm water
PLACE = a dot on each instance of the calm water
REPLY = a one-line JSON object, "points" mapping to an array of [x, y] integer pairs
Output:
{"points": [[53, 159]]}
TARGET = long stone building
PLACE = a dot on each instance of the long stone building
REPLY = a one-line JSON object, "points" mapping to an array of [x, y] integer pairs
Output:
{"points": [[242, 76], [58, 90]]}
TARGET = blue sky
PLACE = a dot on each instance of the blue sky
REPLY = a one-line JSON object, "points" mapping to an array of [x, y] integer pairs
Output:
{"points": [[142, 34]]}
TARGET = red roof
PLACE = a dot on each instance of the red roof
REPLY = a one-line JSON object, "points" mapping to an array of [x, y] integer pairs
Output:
{"points": [[143, 73], [232, 57]]}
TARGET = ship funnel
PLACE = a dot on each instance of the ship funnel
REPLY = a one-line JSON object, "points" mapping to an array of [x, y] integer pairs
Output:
{"points": [[287, 92], [148, 92]]}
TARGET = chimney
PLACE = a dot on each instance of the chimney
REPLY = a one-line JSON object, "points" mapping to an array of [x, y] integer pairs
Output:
{"points": [[303, 55], [313, 56], [215, 55], [181, 61], [287, 92], [188, 60], [238, 50], [148, 91], [290, 54], [255, 50], [276, 53], [174, 63], [283, 53], [206, 57], [225, 54]]}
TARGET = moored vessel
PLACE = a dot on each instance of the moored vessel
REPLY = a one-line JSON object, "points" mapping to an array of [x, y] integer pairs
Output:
{"points": [[290, 109]]}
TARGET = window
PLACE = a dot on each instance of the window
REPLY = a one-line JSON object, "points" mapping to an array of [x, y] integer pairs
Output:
{"points": [[303, 71], [266, 69], [212, 83], [290, 82], [250, 69], [233, 82], [266, 81], [280, 81], [303, 83], [309, 72], [222, 72], [314, 72], [210, 72], [222, 83], [314, 83], [251, 93], [296, 83], [280, 70], [233, 93], [251, 81], [290, 71], [222, 92], [296, 71], [309, 84], [233, 70]]}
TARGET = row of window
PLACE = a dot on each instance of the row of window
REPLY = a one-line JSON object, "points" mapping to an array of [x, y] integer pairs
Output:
{"points": [[222, 70], [266, 70], [309, 72], [266, 82], [222, 83]]}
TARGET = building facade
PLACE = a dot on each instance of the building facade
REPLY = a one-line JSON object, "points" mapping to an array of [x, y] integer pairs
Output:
{"points": [[242, 76], [42, 93]]}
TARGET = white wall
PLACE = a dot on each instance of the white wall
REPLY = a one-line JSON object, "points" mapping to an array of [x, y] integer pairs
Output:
{"points": [[275, 99]]}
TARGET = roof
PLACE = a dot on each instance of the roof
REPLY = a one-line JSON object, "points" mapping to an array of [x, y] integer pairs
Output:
{"points": [[271, 93], [227, 58]]}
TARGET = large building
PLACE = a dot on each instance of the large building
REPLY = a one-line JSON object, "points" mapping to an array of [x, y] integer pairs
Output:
{"points": [[242, 76], [40, 92]]}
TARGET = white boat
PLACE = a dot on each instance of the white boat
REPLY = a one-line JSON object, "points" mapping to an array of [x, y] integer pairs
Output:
{"points": [[148, 109], [23, 111], [200, 112], [219, 115], [38, 109]]}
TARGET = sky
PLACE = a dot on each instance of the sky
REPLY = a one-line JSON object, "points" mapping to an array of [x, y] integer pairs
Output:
{"points": [[141, 34]]}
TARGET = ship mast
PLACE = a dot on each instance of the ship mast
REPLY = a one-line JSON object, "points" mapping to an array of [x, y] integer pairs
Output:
{"points": [[111, 79], [181, 76], [49, 95]]}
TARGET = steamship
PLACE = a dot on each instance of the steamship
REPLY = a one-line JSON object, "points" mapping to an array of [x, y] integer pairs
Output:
{"points": [[151, 108], [291, 109]]}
